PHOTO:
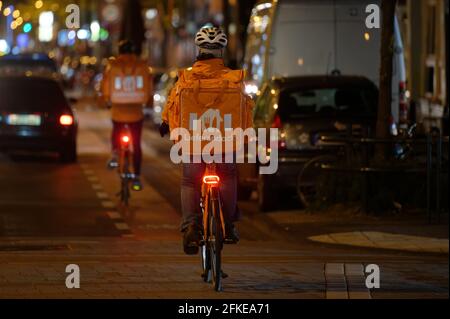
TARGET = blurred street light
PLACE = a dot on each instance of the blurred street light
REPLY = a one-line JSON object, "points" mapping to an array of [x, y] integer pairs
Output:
{"points": [[38, 4], [7, 11], [4, 47], [27, 27], [16, 14], [46, 26], [95, 31]]}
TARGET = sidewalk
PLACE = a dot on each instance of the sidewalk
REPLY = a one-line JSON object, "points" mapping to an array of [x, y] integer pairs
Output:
{"points": [[343, 227]]}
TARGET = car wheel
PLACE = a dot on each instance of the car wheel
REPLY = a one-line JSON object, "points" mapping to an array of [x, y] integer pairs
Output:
{"points": [[267, 194], [68, 154]]}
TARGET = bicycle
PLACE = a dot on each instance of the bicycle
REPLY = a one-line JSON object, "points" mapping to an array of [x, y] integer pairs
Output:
{"points": [[125, 173], [213, 230]]}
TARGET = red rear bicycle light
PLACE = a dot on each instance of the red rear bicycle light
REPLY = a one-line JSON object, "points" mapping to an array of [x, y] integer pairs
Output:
{"points": [[125, 139], [211, 180], [66, 120]]}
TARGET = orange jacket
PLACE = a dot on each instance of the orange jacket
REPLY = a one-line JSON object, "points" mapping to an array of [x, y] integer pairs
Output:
{"points": [[127, 113], [206, 67]]}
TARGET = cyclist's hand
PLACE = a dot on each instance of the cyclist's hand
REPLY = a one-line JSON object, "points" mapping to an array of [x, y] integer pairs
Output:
{"points": [[164, 129]]}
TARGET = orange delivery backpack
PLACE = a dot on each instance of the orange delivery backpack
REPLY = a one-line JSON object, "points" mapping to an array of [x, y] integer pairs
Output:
{"points": [[129, 82], [218, 100]]}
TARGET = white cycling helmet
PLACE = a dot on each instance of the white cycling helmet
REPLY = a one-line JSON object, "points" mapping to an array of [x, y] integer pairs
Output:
{"points": [[211, 38]]}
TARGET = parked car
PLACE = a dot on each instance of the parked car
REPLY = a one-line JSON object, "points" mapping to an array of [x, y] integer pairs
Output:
{"points": [[301, 38], [35, 115], [304, 109], [37, 63]]}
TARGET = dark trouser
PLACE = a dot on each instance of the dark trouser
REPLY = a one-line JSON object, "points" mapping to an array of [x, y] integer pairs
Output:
{"points": [[136, 132], [191, 192]]}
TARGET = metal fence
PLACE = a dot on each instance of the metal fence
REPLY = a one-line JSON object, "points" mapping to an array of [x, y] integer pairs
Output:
{"points": [[434, 159]]}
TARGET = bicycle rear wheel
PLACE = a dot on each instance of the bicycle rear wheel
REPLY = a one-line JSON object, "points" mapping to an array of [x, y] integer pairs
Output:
{"points": [[215, 244]]}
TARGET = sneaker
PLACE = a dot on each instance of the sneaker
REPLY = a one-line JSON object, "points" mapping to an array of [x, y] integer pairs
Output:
{"points": [[113, 162], [136, 184], [232, 235], [191, 239]]}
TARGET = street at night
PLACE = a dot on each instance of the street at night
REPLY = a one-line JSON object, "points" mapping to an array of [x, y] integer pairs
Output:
{"points": [[66, 214], [199, 150]]}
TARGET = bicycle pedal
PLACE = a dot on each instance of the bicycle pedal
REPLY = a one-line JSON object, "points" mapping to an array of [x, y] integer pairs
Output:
{"points": [[230, 242], [224, 275]]}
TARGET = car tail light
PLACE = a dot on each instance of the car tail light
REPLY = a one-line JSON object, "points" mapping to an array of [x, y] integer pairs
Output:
{"points": [[277, 122], [66, 120], [281, 137], [212, 180]]}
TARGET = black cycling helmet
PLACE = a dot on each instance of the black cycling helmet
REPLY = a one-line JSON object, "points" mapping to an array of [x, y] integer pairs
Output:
{"points": [[126, 47]]}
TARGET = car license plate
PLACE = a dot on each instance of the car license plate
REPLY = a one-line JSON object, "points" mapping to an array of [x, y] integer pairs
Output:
{"points": [[24, 119]]}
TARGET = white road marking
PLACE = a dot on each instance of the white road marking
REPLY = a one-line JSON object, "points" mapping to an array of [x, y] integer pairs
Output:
{"points": [[108, 204], [93, 178], [97, 187], [88, 172], [122, 226], [114, 215], [102, 195]]}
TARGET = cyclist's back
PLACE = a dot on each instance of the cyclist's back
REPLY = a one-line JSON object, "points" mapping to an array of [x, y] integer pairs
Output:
{"points": [[209, 65], [127, 86]]}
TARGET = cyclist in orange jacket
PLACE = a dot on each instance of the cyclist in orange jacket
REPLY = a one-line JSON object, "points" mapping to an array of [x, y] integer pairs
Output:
{"points": [[211, 43], [130, 114]]}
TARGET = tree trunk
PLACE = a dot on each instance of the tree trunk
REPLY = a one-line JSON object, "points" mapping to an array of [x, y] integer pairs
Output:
{"points": [[385, 95]]}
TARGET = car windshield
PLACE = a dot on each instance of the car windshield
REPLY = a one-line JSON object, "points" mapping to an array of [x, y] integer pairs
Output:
{"points": [[30, 94], [348, 101]]}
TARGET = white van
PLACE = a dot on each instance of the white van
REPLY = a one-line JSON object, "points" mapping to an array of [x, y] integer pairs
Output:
{"points": [[319, 37]]}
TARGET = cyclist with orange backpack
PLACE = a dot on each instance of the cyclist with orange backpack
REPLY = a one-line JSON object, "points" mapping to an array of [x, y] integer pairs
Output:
{"points": [[208, 70], [127, 86]]}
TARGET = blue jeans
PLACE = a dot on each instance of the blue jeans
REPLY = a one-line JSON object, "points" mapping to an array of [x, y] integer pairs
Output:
{"points": [[191, 192]]}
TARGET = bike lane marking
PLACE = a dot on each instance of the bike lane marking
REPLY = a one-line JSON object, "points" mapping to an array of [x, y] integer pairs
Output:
{"points": [[116, 220]]}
